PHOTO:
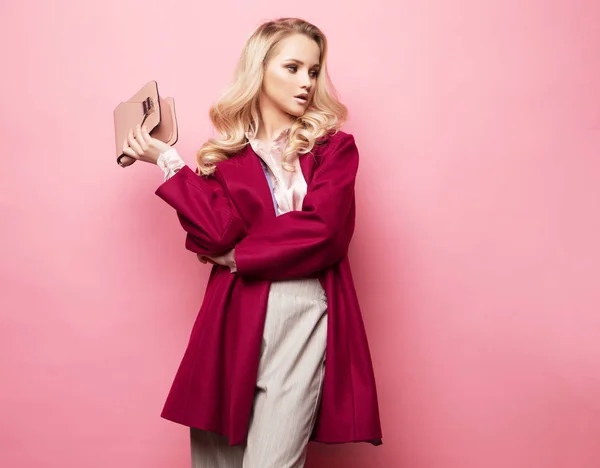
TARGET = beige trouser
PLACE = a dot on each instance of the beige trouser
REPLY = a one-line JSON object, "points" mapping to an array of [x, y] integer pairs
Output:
{"points": [[288, 388]]}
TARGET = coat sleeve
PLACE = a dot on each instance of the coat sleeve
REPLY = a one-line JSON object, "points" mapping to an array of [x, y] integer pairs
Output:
{"points": [[301, 243], [204, 211]]}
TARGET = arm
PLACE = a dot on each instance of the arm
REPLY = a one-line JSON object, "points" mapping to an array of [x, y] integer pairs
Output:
{"points": [[203, 207], [301, 243], [204, 211]]}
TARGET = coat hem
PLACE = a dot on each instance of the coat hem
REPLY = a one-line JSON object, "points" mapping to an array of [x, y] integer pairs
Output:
{"points": [[373, 440]]}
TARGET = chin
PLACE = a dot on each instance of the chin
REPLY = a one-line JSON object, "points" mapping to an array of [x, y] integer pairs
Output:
{"points": [[296, 112]]}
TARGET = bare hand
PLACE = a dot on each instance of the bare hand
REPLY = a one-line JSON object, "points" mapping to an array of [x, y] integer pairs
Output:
{"points": [[204, 259], [226, 260], [141, 146]]}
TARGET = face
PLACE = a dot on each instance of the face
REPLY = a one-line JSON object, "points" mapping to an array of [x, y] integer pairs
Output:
{"points": [[291, 75]]}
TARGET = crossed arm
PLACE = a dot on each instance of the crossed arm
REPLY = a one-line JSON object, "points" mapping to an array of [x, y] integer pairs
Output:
{"points": [[292, 245]]}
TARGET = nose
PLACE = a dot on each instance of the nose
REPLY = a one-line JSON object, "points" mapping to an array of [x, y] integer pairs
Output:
{"points": [[306, 82]]}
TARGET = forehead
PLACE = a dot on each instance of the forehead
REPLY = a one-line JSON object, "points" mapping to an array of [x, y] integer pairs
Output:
{"points": [[298, 47]]}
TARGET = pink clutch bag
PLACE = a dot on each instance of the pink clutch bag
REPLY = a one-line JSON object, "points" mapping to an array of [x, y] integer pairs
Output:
{"points": [[145, 107]]}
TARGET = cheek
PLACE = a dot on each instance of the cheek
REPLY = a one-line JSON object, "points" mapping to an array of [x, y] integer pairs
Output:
{"points": [[277, 85], [281, 79]]}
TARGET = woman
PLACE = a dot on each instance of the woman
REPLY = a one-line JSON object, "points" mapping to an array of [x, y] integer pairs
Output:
{"points": [[272, 207]]}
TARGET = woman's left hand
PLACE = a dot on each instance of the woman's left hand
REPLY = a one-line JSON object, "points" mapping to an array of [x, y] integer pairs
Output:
{"points": [[141, 146], [226, 260]]}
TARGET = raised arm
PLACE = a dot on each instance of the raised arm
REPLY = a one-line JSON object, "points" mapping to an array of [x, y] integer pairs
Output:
{"points": [[204, 211], [203, 207]]}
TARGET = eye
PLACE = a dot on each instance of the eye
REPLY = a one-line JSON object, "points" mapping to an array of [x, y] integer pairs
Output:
{"points": [[314, 73], [292, 68]]}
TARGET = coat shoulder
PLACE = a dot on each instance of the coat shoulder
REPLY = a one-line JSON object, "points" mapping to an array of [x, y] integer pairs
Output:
{"points": [[235, 160], [334, 140], [338, 146]]}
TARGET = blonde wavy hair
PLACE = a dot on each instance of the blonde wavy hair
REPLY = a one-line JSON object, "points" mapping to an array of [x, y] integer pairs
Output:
{"points": [[237, 110]]}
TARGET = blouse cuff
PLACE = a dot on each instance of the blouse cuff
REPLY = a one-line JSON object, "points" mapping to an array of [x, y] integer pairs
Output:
{"points": [[170, 162]]}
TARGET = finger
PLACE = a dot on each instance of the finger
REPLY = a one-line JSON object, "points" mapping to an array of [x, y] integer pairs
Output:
{"points": [[140, 138], [217, 260], [129, 152], [134, 144], [154, 142], [147, 138]]}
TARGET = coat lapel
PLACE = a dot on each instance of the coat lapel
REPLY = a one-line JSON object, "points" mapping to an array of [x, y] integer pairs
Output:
{"points": [[310, 161], [245, 179]]}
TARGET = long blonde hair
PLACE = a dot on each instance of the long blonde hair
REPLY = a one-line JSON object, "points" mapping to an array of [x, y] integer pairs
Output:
{"points": [[237, 111]]}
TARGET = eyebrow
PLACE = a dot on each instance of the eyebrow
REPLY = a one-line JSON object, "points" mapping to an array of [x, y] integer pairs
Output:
{"points": [[300, 62]]}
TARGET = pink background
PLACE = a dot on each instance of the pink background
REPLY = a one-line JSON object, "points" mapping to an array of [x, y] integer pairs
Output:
{"points": [[475, 257]]}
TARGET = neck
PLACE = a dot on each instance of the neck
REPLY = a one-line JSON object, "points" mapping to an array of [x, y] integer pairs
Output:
{"points": [[273, 121]]}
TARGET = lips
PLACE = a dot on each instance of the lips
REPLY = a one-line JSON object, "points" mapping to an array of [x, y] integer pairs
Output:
{"points": [[302, 97]]}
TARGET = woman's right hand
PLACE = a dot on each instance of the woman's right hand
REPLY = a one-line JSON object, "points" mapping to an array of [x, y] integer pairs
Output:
{"points": [[141, 146]]}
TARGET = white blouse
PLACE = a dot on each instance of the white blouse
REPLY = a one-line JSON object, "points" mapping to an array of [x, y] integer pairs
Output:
{"points": [[288, 188]]}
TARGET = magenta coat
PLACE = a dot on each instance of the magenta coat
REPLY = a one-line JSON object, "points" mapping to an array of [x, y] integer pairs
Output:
{"points": [[215, 383]]}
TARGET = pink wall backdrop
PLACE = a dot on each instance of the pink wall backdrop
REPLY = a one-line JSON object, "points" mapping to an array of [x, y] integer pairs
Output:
{"points": [[475, 257]]}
